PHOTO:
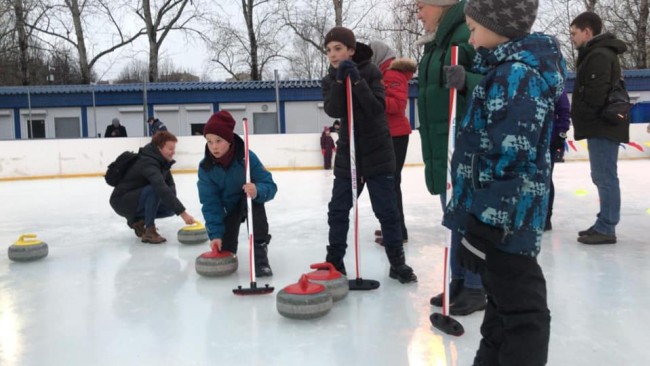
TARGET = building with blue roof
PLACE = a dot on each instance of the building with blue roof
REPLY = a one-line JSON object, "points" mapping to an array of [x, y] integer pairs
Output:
{"points": [[291, 106]]}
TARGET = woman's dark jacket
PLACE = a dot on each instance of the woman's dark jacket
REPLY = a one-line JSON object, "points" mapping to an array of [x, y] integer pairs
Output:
{"points": [[150, 168]]}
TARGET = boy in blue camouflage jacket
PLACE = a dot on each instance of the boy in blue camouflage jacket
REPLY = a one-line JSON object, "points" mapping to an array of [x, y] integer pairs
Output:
{"points": [[500, 175]]}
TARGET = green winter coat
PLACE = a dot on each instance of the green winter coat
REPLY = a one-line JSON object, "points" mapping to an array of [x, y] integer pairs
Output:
{"points": [[433, 97]]}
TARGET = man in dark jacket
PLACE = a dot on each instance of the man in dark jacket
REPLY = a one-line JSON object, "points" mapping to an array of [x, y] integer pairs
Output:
{"points": [[148, 192], [115, 129], [597, 70], [155, 125], [374, 156]]}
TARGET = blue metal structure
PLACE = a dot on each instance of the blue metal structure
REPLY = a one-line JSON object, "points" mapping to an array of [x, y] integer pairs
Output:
{"points": [[81, 96]]}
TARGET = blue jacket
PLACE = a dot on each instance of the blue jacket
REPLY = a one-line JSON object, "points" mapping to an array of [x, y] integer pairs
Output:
{"points": [[220, 190], [501, 163]]}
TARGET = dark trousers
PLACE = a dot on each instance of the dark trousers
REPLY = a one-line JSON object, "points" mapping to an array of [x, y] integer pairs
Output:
{"points": [[400, 145], [516, 324], [381, 189], [327, 159], [551, 194], [232, 222], [151, 207]]}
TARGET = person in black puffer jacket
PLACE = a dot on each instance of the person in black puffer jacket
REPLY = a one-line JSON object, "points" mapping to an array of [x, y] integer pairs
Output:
{"points": [[148, 192], [375, 159], [598, 69]]}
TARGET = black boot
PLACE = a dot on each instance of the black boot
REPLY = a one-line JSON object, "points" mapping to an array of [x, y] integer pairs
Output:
{"points": [[468, 301], [455, 286], [399, 270], [262, 267], [337, 261]]}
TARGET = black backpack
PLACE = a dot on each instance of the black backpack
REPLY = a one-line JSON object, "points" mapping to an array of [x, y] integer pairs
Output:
{"points": [[117, 169]]}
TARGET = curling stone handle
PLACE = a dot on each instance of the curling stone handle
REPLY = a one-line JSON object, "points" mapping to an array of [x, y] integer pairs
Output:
{"points": [[27, 239], [325, 265]]}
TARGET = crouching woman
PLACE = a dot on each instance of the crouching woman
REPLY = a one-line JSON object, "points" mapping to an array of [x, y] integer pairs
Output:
{"points": [[147, 192]]}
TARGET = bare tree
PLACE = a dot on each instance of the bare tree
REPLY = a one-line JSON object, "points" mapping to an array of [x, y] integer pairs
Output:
{"points": [[628, 19], [21, 31], [310, 20], [167, 15], [590, 5], [68, 20], [338, 11], [245, 53], [137, 70], [401, 30]]}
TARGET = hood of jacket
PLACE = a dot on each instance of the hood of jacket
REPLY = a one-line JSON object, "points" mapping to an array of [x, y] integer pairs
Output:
{"points": [[538, 51], [152, 151], [362, 54], [381, 52], [405, 65], [607, 40]]}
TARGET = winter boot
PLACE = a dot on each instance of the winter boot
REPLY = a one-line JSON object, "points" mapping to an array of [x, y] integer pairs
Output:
{"points": [[262, 266], [468, 301], [138, 227], [455, 286], [399, 270], [151, 236], [336, 261]]}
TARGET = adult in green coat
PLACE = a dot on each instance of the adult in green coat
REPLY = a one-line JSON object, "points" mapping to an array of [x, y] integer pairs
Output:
{"points": [[444, 25]]}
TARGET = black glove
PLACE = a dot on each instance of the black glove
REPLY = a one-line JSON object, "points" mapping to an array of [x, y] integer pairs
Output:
{"points": [[454, 77], [557, 142], [348, 68], [479, 241]]}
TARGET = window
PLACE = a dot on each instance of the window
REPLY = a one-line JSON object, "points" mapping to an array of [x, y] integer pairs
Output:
{"points": [[67, 127], [36, 129]]}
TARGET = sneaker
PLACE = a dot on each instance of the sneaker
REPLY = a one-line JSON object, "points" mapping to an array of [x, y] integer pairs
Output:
{"points": [[589, 231], [596, 238]]}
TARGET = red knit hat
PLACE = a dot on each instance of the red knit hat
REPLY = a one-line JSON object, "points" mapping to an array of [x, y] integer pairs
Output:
{"points": [[221, 124]]}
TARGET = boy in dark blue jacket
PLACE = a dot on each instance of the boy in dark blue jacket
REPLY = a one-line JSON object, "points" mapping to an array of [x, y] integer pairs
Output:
{"points": [[223, 189], [500, 174], [375, 159]]}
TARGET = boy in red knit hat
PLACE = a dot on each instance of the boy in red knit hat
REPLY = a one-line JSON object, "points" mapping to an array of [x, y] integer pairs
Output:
{"points": [[223, 190]]}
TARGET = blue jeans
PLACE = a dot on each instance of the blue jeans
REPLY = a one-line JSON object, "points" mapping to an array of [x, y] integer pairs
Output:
{"points": [[603, 159], [471, 279], [381, 189], [150, 207]]}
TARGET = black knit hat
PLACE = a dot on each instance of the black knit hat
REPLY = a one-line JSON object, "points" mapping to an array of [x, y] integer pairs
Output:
{"points": [[343, 35], [509, 18]]}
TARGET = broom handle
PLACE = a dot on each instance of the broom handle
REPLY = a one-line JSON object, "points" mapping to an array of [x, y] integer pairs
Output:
{"points": [[451, 144], [353, 171], [249, 205]]}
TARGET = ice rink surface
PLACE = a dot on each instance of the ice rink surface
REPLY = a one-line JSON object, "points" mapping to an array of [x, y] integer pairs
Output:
{"points": [[102, 297]]}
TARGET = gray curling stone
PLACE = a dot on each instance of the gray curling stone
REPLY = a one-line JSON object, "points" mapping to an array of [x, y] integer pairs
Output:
{"points": [[216, 263], [335, 282], [304, 300], [28, 248], [193, 234]]}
